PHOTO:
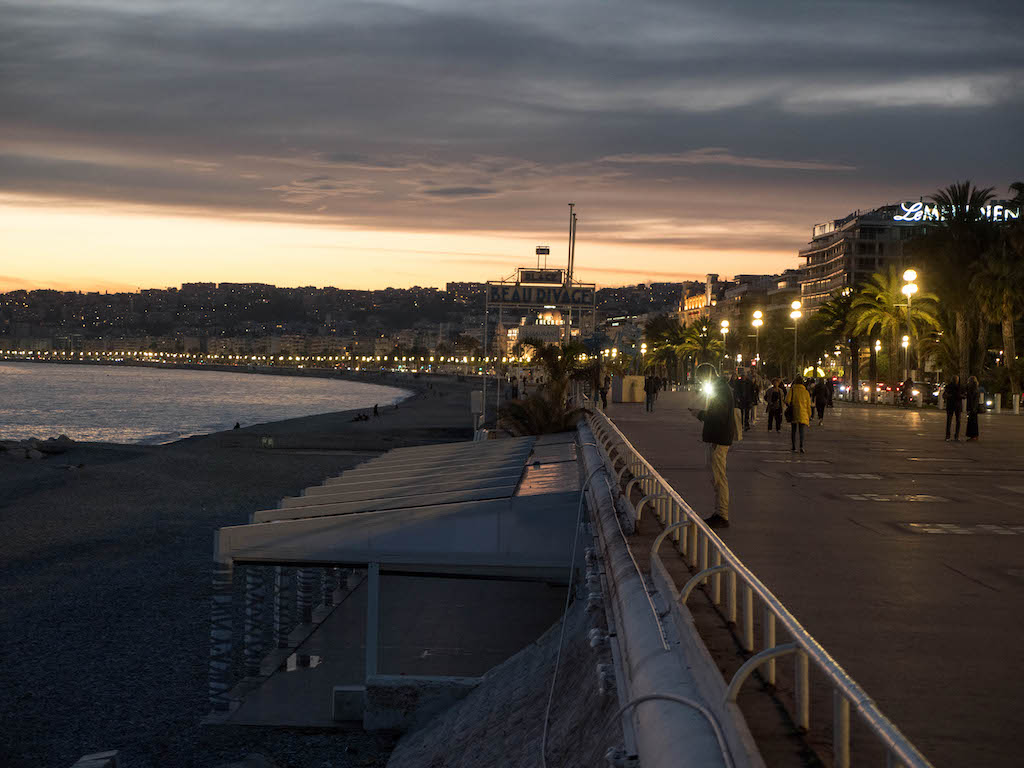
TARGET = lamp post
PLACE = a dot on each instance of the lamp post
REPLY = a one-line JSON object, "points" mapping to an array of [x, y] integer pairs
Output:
{"points": [[909, 289], [725, 356], [906, 355], [757, 323], [796, 314]]}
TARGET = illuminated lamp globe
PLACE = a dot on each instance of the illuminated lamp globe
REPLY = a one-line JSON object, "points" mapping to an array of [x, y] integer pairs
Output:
{"points": [[795, 305], [725, 323], [796, 314], [910, 275], [758, 314], [909, 289]]}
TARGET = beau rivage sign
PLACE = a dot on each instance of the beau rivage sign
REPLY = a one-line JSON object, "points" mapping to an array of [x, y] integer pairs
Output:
{"points": [[921, 211], [540, 296]]}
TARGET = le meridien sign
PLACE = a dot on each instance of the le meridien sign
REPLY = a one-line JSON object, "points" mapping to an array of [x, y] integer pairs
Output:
{"points": [[930, 212], [538, 297]]}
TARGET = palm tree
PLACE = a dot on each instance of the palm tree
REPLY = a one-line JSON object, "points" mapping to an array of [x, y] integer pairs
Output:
{"points": [[999, 286], [699, 340], [547, 410], [880, 308], [834, 317], [952, 250]]}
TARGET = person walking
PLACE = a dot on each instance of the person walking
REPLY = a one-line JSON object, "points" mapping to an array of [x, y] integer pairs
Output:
{"points": [[719, 425], [798, 398], [741, 396], [773, 398], [953, 396], [830, 385], [604, 392], [973, 408], [820, 392], [651, 390]]}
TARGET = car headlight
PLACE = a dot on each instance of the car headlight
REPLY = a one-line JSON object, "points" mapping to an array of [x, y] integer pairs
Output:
{"points": [[915, 393]]}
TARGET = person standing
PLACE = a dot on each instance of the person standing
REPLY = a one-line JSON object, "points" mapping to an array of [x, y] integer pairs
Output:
{"points": [[830, 385], [973, 408], [650, 389], [719, 425], [773, 397], [604, 392], [954, 406], [820, 399], [801, 402], [750, 399]]}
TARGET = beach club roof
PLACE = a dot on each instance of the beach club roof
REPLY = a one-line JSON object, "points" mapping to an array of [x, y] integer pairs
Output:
{"points": [[488, 508]]}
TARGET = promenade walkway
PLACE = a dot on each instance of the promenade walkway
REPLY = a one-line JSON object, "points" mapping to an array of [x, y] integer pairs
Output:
{"points": [[901, 553]]}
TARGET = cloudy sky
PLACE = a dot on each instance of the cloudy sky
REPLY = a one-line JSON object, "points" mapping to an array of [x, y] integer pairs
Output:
{"points": [[147, 143]]}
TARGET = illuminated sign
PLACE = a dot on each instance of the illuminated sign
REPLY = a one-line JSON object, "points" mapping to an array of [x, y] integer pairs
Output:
{"points": [[535, 296], [544, 276], [930, 212]]}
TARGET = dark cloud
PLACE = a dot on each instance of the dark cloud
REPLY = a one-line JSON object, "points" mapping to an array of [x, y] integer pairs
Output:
{"points": [[460, 192], [656, 117]]}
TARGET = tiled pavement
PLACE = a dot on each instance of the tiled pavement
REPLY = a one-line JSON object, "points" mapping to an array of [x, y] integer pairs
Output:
{"points": [[901, 553]]}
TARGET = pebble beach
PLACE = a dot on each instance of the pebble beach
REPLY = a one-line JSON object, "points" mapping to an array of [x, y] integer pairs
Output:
{"points": [[106, 550]]}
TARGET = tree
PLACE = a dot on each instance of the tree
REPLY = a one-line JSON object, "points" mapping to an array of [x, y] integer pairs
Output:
{"points": [[881, 308], [835, 316], [998, 285], [701, 342], [951, 250], [547, 410]]}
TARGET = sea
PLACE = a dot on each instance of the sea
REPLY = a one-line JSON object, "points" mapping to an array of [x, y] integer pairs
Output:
{"points": [[113, 404]]}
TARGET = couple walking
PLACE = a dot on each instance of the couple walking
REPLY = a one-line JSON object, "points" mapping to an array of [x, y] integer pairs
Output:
{"points": [[955, 394]]}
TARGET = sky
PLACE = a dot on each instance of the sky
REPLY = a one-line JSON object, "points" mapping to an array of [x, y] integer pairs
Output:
{"points": [[367, 144]]}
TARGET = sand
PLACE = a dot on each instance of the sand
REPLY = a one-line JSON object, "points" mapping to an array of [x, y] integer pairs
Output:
{"points": [[104, 618]]}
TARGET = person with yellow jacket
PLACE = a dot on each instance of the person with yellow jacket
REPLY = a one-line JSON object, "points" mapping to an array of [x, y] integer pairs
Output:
{"points": [[800, 401]]}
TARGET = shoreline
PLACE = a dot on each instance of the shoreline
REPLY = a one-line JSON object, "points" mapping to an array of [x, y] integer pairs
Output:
{"points": [[412, 386], [106, 611]]}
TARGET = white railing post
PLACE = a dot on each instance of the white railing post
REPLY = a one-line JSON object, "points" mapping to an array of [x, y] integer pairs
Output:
{"points": [[748, 618], [802, 691], [732, 597], [716, 580], [768, 641], [840, 730]]}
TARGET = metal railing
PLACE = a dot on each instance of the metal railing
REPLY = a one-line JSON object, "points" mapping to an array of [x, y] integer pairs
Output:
{"points": [[715, 562]]}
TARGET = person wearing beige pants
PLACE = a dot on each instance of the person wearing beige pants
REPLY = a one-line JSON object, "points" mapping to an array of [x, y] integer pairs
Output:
{"points": [[718, 455], [718, 432]]}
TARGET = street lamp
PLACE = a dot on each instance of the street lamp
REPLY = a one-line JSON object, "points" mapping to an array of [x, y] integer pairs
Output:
{"points": [[909, 289], [725, 330], [796, 314], [758, 322], [906, 353]]}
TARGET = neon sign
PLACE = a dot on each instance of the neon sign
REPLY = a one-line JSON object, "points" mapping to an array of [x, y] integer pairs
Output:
{"points": [[930, 212]]}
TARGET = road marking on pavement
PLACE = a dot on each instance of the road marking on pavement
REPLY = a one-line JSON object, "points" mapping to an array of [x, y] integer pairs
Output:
{"points": [[935, 458], [838, 475], [894, 497], [964, 529], [1014, 488], [794, 461]]}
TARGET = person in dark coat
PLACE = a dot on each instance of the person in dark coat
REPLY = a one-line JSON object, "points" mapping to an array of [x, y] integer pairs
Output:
{"points": [[773, 398], [651, 390], [751, 399], [740, 394], [973, 408], [953, 395], [820, 395], [830, 385], [719, 423]]}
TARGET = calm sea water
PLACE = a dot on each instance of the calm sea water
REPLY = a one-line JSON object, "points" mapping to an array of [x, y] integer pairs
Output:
{"points": [[144, 405]]}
